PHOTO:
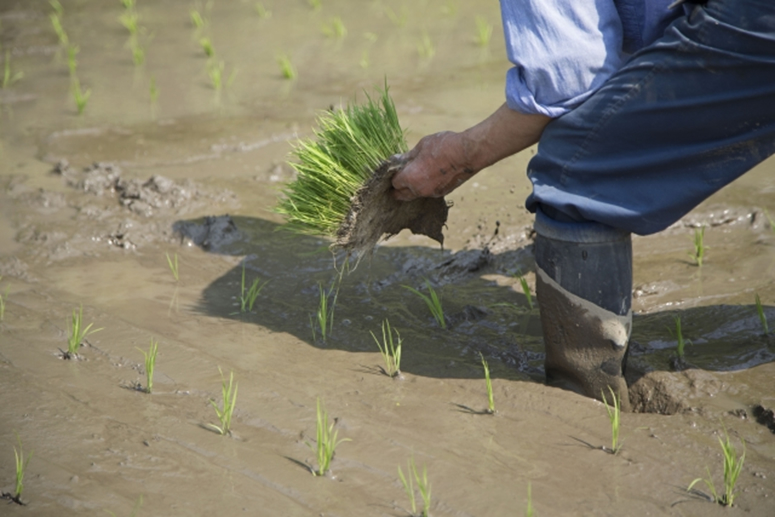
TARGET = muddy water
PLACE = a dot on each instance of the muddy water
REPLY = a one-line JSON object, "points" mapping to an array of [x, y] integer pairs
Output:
{"points": [[167, 174]]}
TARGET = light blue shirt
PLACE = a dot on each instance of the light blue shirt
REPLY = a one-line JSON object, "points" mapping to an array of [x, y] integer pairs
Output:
{"points": [[564, 50]]}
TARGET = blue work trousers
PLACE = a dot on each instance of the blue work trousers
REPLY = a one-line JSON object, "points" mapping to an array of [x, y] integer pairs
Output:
{"points": [[682, 118]]}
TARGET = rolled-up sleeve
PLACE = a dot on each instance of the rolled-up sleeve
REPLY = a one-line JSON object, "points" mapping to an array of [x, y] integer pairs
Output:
{"points": [[562, 51]]}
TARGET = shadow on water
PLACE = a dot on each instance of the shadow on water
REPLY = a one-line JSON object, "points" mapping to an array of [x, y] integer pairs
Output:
{"points": [[482, 315]]}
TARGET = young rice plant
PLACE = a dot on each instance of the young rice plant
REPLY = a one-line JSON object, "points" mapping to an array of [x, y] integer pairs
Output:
{"points": [[529, 511], [423, 486], [325, 441], [483, 32], [390, 349], [80, 96], [759, 311], [229, 401], [287, 69], [433, 301], [77, 333], [614, 415], [490, 399], [349, 145], [699, 246], [680, 341], [172, 262], [3, 297], [248, 295], [150, 364], [10, 77], [525, 289], [21, 466], [325, 312], [732, 468]]}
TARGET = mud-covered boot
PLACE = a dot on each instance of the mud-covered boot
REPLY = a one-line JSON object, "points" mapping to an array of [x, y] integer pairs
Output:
{"points": [[584, 290]]}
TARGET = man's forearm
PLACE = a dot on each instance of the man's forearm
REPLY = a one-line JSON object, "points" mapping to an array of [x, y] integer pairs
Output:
{"points": [[502, 134]]}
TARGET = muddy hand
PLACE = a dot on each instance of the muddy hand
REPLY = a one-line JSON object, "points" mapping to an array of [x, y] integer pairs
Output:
{"points": [[435, 167]]}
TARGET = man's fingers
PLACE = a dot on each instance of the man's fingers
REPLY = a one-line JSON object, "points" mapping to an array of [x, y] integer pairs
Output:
{"points": [[403, 194]]}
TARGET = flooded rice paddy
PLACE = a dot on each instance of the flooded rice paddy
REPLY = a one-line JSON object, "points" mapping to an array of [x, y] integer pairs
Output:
{"points": [[162, 163]]}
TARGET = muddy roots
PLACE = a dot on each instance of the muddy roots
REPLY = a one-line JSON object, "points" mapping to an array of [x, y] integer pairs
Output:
{"points": [[374, 213]]}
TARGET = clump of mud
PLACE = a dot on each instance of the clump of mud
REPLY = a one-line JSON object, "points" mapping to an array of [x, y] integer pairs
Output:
{"points": [[374, 213]]}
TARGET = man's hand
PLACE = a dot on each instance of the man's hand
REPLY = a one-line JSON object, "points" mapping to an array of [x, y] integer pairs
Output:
{"points": [[441, 162], [435, 167]]}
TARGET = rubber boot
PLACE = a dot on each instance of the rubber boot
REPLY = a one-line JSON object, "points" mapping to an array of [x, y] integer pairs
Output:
{"points": [[584, 291]]}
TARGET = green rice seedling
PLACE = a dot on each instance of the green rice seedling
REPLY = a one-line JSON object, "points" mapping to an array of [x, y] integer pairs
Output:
{"points": [[325, 312], [483, 32], [229, 398], [525, 289], [216, 70], [56, 23], [248, 295], [529, 512], [10, 77], [72, 62], [197, 20], [390, 349], [396, 19], [699, 247], [138, 52], [150, 363], [680, 341], [315, 4], [732, 468], [207, 46], [262, 11], [58, 9], [128, 4], [433, 301], [614, 415], [287, 69], [153, 90], [3, 297], [325, 441], [80, 96], [172, 262], [423, 486], [490, 398], [425, 48], [77, 333], [21, 466], [769, 220], [759, 311], [130, 20], [349, 145], [335, 28]]}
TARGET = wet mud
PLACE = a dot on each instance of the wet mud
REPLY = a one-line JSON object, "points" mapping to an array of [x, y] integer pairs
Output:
{"points": [[91, 206]]}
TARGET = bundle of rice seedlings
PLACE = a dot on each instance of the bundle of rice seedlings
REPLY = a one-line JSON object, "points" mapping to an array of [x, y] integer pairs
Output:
{"points": [[342, 189]]}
